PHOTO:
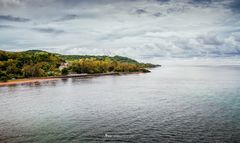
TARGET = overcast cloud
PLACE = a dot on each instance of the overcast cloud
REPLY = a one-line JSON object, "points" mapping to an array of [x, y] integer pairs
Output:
{"points": [[142, 29]]}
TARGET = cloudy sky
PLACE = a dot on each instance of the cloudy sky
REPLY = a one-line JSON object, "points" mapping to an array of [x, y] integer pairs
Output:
{"points": [[141, 29]]}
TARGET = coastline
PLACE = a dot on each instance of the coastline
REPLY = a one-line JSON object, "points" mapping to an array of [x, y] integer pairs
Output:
{"points": [[54, 78], [26, 81]]}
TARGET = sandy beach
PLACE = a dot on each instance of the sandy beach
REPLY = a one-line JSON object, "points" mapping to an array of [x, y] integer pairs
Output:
{"points": [[25, 81], [44, 79]]}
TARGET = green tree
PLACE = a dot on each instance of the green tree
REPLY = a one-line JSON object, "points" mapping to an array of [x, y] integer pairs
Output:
{"points": [[65, 71], [3, 76]]}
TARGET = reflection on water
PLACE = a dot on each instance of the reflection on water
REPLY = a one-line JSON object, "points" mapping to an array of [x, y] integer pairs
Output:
{"points": [[170, 104]]}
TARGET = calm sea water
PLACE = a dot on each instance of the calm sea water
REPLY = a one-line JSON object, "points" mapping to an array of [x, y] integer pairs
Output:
{"points": [[170, 104]]}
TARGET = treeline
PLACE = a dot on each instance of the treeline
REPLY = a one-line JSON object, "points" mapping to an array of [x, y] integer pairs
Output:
{"points": [[93, 65], [36, 63], [14, 65], [119, 59], [115, 58]]}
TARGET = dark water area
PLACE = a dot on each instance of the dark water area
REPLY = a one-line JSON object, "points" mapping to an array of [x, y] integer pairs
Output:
{"points": [[170, 104]]}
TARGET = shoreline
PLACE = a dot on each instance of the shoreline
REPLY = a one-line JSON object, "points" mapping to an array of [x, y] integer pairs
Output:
{"points": [[54, 78]]}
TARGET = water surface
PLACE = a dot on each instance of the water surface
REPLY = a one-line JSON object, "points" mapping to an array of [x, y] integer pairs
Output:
{"points": [[170, 104]]}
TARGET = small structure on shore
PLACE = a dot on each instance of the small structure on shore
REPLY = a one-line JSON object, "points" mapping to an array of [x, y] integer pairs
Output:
{"points": [[63, 66]]}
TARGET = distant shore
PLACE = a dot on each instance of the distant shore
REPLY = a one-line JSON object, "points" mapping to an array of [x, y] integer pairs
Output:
{"points": [[43, 79]]}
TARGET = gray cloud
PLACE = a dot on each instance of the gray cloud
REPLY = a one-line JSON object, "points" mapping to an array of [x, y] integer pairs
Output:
{"points": [[141, 11], [68, 17], [13, 18], [235, 6], [48, 30], [77, 16], [158, 14], [163, 0], [6, 27], [202, 1]]}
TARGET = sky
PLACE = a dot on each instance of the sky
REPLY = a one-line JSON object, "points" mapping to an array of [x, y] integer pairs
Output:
{"points": [[140, 29]]}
